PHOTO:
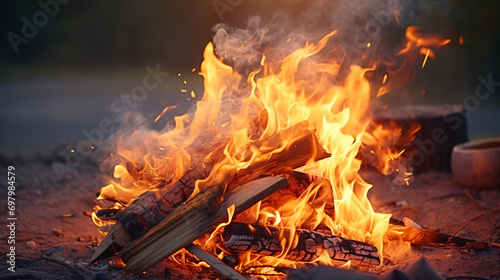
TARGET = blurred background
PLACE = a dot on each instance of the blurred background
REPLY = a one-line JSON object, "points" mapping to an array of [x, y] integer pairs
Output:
{"points": [[61, 72]]}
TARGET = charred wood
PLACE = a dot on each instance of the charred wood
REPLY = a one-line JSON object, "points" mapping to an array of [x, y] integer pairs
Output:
{"points": [[151, 208], [425, 237], [193, 219], [308, 245]]}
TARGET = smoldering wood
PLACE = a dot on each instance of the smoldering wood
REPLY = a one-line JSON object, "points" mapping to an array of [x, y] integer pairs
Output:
{"points": [[184, 218], [425, 237], [298, 182], [107, 214], [151, 208], [194, 219], [116, 239], [145, 212], [231, 260], [308, 245]]}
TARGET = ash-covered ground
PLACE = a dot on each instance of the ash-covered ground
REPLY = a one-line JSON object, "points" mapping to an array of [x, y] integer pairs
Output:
{"points": [[53, 225]]}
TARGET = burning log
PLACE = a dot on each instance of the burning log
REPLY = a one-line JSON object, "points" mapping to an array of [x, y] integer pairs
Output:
{"points": [[425, 237], [195, 218], [308, 245], [151, 208], [303, 149], [145, 212]]}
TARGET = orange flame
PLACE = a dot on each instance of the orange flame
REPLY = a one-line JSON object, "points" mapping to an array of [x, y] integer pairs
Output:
{"points": [[304, 87], [384, 147], [168, 108], [416, 43]]}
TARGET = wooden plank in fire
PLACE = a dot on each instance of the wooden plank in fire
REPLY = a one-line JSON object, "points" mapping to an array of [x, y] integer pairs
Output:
{"points": [[193, 219], [151, 208], [226, 271]]}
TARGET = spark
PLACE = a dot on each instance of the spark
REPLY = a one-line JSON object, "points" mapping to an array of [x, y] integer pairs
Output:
{"points": [[407, 181], [164, 111], [185, 82], [384, 79], [92, 147], [426, 56], [368, 44], [289, 39], [72, 151], [194, 69], [179, 74], [183, 90], [193, 95]]}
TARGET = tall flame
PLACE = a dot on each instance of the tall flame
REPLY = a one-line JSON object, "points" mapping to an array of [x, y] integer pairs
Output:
{"points": [[236, 110]]}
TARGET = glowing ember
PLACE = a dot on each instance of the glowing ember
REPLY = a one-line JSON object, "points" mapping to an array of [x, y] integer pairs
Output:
{"points": [[426, 56], [168, 108]]}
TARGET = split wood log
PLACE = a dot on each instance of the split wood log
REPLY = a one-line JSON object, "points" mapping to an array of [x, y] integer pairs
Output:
{"points": [[425, 237], [151, 208], [193, 219], [226, 271], [145, 212], [308, 245]]}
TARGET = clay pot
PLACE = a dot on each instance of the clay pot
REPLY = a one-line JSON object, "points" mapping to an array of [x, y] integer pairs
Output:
{"points": [[476, 164]]}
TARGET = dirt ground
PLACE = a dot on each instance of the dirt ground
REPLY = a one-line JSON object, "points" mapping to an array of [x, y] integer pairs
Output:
{"points": [[55, 237]]}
